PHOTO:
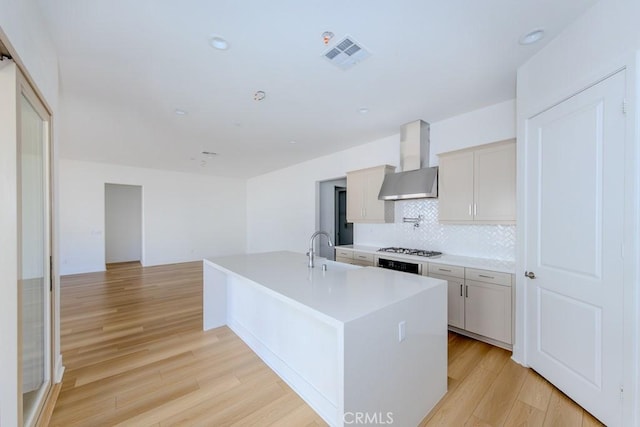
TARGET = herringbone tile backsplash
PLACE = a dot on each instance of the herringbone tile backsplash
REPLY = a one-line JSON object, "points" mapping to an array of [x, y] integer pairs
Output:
{"points": [[483, 241]]}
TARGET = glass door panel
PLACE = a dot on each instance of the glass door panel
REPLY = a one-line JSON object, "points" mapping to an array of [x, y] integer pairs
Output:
{"points": [[34, 254]]}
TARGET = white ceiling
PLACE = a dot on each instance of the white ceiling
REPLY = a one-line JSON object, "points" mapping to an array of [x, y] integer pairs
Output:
{"points": [[126, 66]]}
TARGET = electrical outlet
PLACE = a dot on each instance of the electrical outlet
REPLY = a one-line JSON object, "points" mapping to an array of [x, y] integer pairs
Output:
{"points": [[402, 331]]}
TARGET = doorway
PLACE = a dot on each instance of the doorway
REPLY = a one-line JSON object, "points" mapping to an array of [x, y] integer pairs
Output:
{"points": [[123, 223], [344, 229], [328, 211]]}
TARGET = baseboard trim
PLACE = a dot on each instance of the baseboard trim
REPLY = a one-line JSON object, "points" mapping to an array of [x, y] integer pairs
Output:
{"points": [[49, 405], [59, 370]]}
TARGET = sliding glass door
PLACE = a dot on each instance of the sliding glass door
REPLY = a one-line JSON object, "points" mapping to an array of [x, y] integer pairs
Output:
{"points": [[34, 251]]}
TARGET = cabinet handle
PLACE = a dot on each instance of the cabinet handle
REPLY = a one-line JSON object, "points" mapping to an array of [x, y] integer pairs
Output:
{"points": [[460, 289], [469, 209], [466, 290], [475, 209], [444, 269], [486, 277]]}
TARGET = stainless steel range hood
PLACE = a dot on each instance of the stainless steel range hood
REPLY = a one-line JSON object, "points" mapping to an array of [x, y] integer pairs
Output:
{"points": [[414, 181]]}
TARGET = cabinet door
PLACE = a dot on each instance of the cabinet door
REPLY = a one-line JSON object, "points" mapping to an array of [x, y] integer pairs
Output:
{"points": [[455, 181], [374, 209], [495, 183], [355, 196], [488, 310], [455, 300]]}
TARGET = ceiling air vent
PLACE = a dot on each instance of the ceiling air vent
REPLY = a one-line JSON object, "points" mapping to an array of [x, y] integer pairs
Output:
{"points": [[346, 53]]}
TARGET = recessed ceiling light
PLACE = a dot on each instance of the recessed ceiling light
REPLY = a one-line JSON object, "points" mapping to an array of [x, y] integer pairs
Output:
{"points": [[532, 36], [219, 43], [180, 112], [259, 95], [293, 142], [363, 110]]}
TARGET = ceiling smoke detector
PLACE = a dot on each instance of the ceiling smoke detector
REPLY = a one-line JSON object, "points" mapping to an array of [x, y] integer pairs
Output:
{"points": [[346, 53]]}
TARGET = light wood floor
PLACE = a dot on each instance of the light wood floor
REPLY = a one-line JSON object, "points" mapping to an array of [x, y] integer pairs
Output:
{"points": [[135, 355]]}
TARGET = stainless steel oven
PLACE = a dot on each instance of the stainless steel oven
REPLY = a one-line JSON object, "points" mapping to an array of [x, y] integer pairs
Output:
{"points": [[400, 265]]}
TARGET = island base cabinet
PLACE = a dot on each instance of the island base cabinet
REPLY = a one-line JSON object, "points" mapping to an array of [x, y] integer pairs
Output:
{"points": [[377, 363], [488, 310], [363, 367]]}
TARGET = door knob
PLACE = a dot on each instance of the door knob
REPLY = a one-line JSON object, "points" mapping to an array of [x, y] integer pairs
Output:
{"points": [[529, 274]]}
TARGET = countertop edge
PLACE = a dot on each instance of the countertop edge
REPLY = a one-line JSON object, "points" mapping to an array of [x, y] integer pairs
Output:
{"points": [[457, 260]]}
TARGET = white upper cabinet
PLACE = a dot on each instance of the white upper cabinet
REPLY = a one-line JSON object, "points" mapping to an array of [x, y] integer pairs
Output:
{"points": [[455, 187], [478, 185], [363, 187]]}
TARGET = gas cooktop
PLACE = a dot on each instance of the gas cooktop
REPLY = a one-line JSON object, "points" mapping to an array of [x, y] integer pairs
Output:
{"points": [[406, 251]]}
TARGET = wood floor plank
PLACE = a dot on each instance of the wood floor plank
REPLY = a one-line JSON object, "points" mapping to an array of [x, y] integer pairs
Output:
{"points": [[536, 391], [524, 415], [589, 420], [562, 411], [499, 398], [467, 360], [461, 402], [136, 355]]}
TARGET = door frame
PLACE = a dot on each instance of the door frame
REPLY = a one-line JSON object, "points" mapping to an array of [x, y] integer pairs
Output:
{"points": [[631, 249], [25, 89], [7, 307], [104, 190]]}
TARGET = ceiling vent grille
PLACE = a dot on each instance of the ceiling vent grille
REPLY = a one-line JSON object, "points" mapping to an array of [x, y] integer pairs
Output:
{"points": [[346, 53]]}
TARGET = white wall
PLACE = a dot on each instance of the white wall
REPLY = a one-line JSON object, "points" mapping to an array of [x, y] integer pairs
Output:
{"points": [[601, 41], [493, 123], [22, 23], [186, 217], [22, 27], [8, 252], [123, 223], [281, 205]]}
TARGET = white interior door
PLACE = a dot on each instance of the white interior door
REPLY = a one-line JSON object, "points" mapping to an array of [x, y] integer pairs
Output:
{"points": [[574, 231]]}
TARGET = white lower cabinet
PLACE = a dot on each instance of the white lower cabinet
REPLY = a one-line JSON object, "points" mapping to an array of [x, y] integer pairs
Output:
{"points": [[479, 302], [487, 310], [455, 301], [362, 259]]}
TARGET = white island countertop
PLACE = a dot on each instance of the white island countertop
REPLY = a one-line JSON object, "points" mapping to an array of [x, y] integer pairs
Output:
{"points": [[343, 292], [349, 340], [461, 261]]}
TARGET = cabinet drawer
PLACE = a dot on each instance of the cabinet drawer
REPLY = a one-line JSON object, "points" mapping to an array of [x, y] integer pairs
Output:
{"points": [[487, 276], [344, 253], [446, 270], [362, 263], [344, 259], [360, 256]]}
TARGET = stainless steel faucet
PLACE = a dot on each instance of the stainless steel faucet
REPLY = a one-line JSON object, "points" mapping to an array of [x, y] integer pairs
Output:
{"points": [[311, 252]]}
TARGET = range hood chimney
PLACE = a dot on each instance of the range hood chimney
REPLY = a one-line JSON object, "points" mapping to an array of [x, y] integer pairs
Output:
{"points": [[416, 180]]}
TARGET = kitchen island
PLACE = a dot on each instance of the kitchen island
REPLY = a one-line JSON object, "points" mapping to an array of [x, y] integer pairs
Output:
{"points": [[359, 345]]}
